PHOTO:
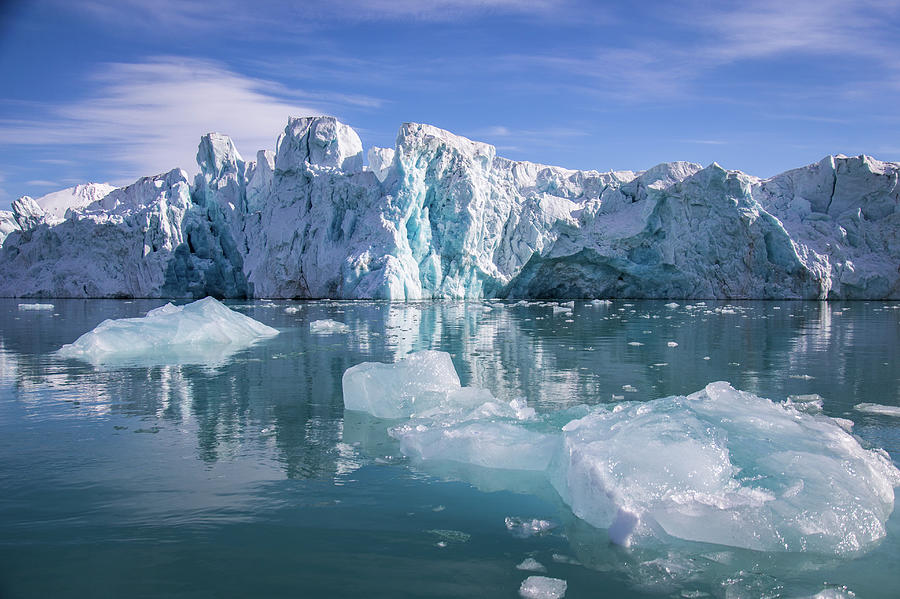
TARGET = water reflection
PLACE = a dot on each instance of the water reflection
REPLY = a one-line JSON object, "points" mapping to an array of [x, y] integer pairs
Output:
{"points": [[275, 411]]}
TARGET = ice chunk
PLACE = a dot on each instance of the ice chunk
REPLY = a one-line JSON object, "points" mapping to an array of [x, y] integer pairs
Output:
{"points": [[724, 466], [481, 441], [523, 528], [421, 381], [672, 344], [327, 326], [529, 564], [874, 408], [542, 587], [203, 325], [672, 305], [292, 309], [36, 306]]}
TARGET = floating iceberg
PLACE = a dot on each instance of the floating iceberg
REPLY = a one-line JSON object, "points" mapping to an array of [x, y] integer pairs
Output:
{"points": [[720, 466], [874, 408], [203, 327], [36, 306], [327, 327]]}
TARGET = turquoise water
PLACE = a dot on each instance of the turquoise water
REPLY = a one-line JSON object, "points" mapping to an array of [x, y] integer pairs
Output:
{"points": [[243, 477]]}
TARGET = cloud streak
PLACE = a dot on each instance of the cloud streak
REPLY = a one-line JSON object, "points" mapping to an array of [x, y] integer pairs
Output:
{"points": [[149, 116]]}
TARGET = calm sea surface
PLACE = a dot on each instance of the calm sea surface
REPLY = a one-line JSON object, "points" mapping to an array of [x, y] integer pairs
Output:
{"points": [[241, 476]]}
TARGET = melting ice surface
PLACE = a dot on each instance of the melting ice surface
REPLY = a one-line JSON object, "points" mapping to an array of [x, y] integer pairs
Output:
{"points": [[719, 466], [204, 330]]}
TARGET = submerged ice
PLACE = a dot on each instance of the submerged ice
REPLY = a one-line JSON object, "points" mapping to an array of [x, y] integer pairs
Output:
{"points": [[205, 326], [720, 466]]}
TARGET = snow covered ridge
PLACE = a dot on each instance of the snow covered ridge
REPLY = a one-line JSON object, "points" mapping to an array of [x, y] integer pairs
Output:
{"points": [[748, 472], [441, 216]]}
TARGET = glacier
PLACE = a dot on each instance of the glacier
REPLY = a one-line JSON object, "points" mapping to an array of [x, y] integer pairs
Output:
{"points": [[203, 331], [442, 216], [747, 472]]}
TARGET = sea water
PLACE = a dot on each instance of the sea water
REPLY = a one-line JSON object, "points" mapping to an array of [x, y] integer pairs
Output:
{"points": [[240, 474]]}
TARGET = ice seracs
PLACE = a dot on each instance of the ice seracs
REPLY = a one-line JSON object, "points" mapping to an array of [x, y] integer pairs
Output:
{"points": [[720, 466], [205, 325], [442, 216]]}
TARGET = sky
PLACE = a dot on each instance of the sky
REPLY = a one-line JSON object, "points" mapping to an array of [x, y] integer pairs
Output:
{"points": [[109, 91]]}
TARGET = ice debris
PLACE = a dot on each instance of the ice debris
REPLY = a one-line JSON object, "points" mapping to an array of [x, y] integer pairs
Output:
{"points": [[542, 587], [328, 326], [36, 306], [523, 528], [205, 324], [874, 408], [719, 466], [529, 564]]}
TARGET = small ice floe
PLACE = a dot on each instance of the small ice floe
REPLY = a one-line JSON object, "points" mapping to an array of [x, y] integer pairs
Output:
{"points": [[36, 306], [561, 310], [327, 326], [635, 343], [541, 587], [600, 302], [522, 528], [802, 377], [671, 305], [292, 309], [811, 403], [672, 344], [874, 408], [629, 389], [530, 564]]}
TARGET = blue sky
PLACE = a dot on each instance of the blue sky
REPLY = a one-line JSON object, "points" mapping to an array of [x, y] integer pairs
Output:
{"points": [[98, 90]]}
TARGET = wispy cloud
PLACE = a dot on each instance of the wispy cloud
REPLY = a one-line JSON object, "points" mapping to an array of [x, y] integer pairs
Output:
{"points": [[149, 116], [42, 183]]}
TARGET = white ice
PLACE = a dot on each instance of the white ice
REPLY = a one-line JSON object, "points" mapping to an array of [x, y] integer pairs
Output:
{"points": [[542, 587], [327, 327], [205, 325], [874, 408], [36, 306], [719, 466], [727, 467], [529, 564]]}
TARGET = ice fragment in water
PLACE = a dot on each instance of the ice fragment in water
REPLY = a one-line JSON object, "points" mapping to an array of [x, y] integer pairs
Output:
{"points": [[523, 528], [35, 306], [327, 327], [622, 459], [530, 564], [542, 587], [874, 408], [719, 466], [672, 344], [292, 309], [205, 325]]}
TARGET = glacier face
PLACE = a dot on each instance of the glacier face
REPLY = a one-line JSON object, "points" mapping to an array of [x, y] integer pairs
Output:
{"points": [[441, 216]]}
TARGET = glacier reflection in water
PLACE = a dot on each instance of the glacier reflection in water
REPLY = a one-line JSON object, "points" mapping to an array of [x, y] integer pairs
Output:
{"points": [[246, 477]]}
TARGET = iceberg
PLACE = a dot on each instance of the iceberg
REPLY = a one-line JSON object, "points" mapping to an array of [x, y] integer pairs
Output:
{"points": [[720, 466], [202, 328], [442, 216], [327, 326]]}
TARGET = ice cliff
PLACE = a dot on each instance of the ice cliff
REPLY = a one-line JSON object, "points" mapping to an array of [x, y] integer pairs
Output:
{"points": [[441, 216]]}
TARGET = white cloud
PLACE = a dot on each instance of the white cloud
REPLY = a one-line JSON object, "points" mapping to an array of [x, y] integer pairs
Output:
{"points": [[149, 116]]}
